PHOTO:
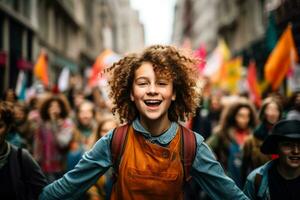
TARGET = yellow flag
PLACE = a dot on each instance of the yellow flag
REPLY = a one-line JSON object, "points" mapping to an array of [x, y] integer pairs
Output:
{"points": [[231, 75]]}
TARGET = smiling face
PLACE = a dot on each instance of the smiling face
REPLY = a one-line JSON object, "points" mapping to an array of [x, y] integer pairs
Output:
{"points": [[151, 94], [289, 154]]}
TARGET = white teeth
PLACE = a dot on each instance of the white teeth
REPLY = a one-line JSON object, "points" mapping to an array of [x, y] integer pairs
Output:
{"points": [[294, 158], [152, 101]]}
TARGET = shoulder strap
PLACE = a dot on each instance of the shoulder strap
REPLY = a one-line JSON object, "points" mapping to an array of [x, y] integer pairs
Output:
{"points": [[117, 144], [257, 182], [188, 150]]}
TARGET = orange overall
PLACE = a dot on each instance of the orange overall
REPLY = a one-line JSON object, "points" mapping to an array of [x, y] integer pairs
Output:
{"points": [[149, 171]]}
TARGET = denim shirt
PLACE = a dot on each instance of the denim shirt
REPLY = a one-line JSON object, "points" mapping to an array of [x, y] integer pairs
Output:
{"points": [[263, 191], [206, 171]]}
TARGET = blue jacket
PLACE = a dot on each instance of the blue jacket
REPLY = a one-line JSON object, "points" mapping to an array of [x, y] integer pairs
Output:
{"points": [[263, 191], [206, 171]]}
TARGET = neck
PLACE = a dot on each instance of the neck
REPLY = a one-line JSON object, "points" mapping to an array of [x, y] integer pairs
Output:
{"points": [[288, 173], [156, 127]]}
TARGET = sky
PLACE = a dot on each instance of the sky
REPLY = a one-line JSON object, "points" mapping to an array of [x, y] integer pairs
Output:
{"points": [[157, 17]]}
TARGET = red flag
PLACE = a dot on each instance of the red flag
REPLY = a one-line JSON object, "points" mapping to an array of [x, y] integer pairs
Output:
{"points": [[41, 68], [106, 58], [201, 54], [253, 85]]}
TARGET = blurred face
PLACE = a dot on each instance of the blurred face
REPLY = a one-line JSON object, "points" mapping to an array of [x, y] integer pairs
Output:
{"points": [[242, 118], [152, 95], [85, 114], [78, 99], [215, 103], [272, 113], [289, 154], [54, 110], [107, 126], [19, 115]]}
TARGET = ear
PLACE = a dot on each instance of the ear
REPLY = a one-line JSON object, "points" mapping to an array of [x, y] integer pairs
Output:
{"points": [[131, 96], [174, 97]]}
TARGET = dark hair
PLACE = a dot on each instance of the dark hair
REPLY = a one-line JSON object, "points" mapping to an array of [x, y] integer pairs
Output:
{"points": [[6, 113], [4, 96], [167, 61], [62, 102], [228, 115]]}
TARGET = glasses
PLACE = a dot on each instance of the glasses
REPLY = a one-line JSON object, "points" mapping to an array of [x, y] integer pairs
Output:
{"points": [[288, 145]]}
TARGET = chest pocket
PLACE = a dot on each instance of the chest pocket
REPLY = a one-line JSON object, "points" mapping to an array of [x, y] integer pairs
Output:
{"points": [[157, 183]]}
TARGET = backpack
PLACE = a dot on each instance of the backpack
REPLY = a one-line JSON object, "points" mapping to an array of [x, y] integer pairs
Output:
{"points": [[188, 152]]}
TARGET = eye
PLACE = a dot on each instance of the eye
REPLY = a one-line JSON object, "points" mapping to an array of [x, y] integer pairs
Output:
{"points": [[162, 82], [142, 83]]}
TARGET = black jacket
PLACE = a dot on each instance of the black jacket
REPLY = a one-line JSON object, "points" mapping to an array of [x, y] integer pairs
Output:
{"points": [[27, 178]]}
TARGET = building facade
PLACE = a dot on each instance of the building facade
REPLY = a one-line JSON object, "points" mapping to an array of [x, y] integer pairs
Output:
{"points": [[72, 32]]}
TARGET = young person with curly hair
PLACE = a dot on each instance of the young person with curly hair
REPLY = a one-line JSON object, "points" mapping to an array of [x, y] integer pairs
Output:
{"points": [[53, 136], [151, 91]]}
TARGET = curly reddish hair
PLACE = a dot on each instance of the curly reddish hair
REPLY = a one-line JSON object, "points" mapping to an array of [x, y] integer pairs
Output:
{"points": [[168, 62]]}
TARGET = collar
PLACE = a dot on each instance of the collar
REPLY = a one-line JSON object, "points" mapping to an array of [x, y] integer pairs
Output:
{"points": [[163, 139]]}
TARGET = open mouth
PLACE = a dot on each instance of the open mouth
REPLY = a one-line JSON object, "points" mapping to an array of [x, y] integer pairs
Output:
{"points": [[152, 102], [296, 158]]}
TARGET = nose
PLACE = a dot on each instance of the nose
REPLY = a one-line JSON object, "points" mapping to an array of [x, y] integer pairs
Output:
{"points": [[152, 89], [296, 148]]}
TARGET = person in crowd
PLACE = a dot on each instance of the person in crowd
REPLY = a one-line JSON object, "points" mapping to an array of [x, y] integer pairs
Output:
{"points": [[22, 126], [279, 178], [102, 189], [294, 106], [20, 175], [151, 91], [53, 136], [270, 113], [237, 122], [84, 132], [208, 115]]}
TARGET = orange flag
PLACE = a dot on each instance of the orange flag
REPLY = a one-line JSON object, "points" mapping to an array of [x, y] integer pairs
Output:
{"points": [[279, 61], [41, 68], [254, 89]]}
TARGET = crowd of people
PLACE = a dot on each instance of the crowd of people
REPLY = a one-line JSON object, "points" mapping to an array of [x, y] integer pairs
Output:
{"points": [[60, 143]]}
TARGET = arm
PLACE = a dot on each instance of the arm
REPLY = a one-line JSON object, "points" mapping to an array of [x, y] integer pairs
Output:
{"points": [[209, 174], [93, 164]]}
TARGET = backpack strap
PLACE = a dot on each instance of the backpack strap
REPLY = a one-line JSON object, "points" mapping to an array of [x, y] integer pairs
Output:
{"points": [[23, 176], [117, 145], [188, 150]]}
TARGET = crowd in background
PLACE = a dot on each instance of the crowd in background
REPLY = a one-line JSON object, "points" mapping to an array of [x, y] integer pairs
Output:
{"points": [[58, 127]]}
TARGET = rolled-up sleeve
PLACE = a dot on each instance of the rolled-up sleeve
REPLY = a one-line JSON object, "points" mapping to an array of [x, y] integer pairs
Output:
{"points": [[209, 174], [73, 184]]}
